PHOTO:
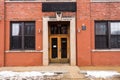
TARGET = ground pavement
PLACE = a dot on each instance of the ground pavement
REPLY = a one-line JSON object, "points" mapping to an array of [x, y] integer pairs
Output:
{"points": [[70, 72]]}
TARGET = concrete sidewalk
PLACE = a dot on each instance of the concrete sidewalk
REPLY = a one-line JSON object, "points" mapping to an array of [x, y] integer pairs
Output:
{"points": [[70, 72]]}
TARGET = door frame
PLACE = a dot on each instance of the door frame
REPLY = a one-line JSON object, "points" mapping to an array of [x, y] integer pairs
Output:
{"points": [[59, 60], [72, 39]]}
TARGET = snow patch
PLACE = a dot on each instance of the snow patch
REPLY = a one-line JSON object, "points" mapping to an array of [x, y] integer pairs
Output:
{"points": [[101, 74], [26, 75]]}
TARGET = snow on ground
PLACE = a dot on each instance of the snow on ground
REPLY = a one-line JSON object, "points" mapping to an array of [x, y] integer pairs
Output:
{"points": [[25, 75], [101, 74]]}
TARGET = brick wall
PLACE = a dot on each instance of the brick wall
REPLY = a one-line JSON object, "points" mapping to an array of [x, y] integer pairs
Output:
{"points": [[87, 13], [83, 37], [104, 11], [1, 32], [26, 11]]}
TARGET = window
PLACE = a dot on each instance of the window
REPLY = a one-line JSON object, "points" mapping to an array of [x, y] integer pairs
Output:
{"points": [[107, 35], [59, 29], [22, 35]]}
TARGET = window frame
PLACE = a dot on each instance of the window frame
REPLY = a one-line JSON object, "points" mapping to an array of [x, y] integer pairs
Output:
{"points": [[23, 35], [108, 33]]}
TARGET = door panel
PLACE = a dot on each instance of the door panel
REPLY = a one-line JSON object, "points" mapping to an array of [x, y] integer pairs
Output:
{"points": [[59, 50]]}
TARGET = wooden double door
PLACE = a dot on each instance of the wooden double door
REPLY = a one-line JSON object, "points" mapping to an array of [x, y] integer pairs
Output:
{"points": [[59, 47]]}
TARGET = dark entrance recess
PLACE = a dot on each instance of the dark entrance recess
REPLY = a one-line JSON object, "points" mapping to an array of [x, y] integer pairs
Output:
{"points": [[59, 47], [61, 6]]}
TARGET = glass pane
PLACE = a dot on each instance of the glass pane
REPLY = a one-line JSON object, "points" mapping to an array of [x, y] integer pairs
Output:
{"points": [[16, 42], [101, 42], [115, 28], [29, 28], [59, 29], [118, 40], [63, 47], [54, 29], [64, 29], [54, 48], [29, 42], [101, 28], [115, 41], [16, 29]]}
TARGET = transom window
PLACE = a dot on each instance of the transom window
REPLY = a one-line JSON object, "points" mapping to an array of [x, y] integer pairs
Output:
{"points": [[59, 29], [107, 35], [22, 35]]}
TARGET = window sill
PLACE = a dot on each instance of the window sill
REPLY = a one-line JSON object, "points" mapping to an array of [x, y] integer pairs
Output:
{"points": [[105, 1], [41, 1], [106, 50], [24, 51]]}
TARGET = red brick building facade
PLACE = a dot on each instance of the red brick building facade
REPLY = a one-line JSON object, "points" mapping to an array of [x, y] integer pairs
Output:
{"points": [[83, 33]]}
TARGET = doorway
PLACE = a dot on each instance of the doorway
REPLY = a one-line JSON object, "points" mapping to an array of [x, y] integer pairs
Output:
{"points": [[59, 42]]}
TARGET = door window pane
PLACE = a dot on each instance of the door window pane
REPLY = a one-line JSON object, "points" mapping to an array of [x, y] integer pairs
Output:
{"points": [[63, 47], [54, 48]]}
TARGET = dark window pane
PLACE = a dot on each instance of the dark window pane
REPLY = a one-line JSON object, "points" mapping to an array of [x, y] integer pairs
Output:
{"points": [[114, 43], [54, 29], [16, 42], [101, 42], [16, 29], [29, 42], [101, 38], [54, 48], [115, 34], [59, 29], [29, 29], [64, 47], [101, 28], [64, 29]]}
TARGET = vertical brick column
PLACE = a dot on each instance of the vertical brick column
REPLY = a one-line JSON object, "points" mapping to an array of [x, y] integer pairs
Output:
{"points": [[2, 33], [83, 36]]}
